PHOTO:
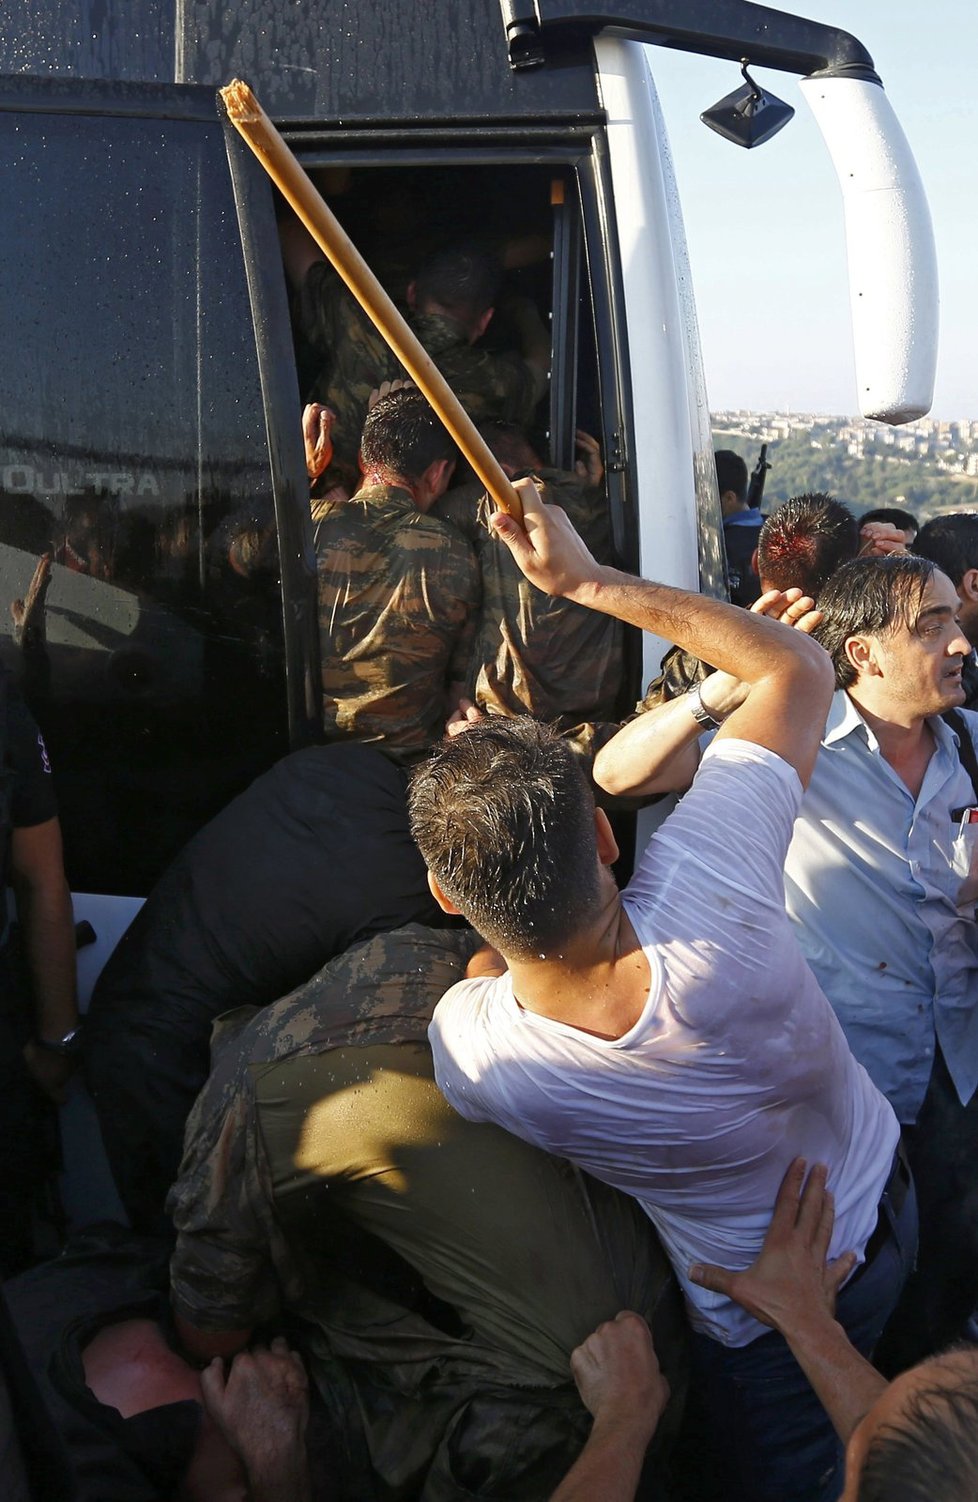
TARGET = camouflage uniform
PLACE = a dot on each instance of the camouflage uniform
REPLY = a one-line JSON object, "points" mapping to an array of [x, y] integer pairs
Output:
{"points": [[356, 359], [446, 1268], [535, 654], [398, 596]]}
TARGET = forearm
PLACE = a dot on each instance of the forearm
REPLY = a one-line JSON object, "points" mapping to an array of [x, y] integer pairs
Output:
{"points": [[288, 1481], [609, 1466], [747, 646], [844, 1382], [48, 928], [658, 752]]}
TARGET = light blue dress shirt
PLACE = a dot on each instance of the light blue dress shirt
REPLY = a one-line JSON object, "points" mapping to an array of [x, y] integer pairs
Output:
{"points": [[872, 891]]}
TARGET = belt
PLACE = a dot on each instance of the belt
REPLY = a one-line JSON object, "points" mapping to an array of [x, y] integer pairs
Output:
{"points": [[895, 1190]]}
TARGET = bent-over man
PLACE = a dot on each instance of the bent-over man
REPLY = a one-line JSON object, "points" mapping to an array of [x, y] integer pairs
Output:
{"points": [[442, 1272]]}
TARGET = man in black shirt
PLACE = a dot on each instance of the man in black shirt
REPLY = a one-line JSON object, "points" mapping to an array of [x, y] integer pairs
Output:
{"points": [[315, 856], [38, 1003]]}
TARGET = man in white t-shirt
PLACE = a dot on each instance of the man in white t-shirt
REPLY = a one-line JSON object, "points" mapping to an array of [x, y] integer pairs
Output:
{"points": [[670, 1039]]}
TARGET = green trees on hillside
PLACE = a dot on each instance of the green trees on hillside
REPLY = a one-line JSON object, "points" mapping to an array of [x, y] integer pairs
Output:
{"points": [[814, 461]]}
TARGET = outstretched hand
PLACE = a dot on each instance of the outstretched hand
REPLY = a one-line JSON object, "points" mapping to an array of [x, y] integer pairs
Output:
{"points": [[791, 1279], [546, 547]]}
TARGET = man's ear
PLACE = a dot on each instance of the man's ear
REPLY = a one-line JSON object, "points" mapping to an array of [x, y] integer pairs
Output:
{"points": [[968, 588], [433, 483], [861, 654], [753, 563], [446, 905], [481, 324], [607, 844]]}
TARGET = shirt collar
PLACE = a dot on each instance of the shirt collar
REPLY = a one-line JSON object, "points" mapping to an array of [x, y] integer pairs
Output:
{"points": [[750, 518], [387, 495], [844, 719]]}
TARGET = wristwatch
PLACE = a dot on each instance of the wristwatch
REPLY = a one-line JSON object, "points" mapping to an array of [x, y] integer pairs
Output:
{"points": [[699, 711], [67, 1046]]}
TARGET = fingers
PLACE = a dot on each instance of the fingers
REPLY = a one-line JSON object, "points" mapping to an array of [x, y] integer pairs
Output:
{"points": [[786, 1205], [716, 1279], [812, 1203], [809, 621], [774, 601], [213, 1384], [836, 1273]]}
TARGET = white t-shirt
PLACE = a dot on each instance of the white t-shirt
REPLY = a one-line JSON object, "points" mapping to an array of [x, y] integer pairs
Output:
{"points": [[736, 1066]]}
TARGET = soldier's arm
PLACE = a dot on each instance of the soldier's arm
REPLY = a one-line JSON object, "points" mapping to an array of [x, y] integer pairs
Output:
{"points": [[299, 249]]}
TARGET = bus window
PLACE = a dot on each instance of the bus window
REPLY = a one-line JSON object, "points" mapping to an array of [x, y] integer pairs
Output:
{"points": [[141, 467]]}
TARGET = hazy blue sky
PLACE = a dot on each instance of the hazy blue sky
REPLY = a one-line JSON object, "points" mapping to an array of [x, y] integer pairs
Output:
{"points": [[765, 226]]}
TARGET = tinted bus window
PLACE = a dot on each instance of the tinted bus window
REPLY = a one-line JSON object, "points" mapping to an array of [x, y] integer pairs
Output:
{"points": [[133, 451]]}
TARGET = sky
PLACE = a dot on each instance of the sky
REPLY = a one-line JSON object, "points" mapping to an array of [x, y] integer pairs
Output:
{"points": [[765, 227]]}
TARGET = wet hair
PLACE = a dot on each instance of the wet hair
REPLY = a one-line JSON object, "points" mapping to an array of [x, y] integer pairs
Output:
{"points": [[872, 597], [930, 1452], [402, 435], [803, 543], [505, 821], [464, 280], [731, 473], [951, 542], [905, 520]]}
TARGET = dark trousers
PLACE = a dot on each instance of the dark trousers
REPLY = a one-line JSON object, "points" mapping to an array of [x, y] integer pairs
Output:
{"points": [[757, 1432], [942, 1292]]}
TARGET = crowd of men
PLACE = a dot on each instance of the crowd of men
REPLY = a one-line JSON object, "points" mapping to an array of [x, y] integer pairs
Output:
{"points": [[477, 1174]]}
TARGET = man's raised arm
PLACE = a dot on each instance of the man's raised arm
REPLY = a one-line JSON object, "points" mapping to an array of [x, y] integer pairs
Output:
{"points": [[790, 676]]}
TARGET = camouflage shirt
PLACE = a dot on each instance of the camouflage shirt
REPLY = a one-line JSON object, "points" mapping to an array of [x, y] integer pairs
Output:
{"points": [[535, 654], [444, 1264], [398, 597], [356, 359]]}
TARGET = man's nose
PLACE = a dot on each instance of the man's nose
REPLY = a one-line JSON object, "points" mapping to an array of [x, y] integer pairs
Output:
{"points": [[959, 645]]}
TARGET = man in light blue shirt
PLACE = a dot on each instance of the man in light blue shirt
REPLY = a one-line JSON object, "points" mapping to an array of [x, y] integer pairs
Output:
{"points": [[880, 886]]}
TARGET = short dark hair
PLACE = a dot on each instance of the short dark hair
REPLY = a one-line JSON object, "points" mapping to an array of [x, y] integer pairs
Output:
{"points": [[873, 596], [802, 544], [731, 473], [510, 445], [462, 279], [930, 1452], [905, 520], [505, 821], [402, 435], [951, 542]]}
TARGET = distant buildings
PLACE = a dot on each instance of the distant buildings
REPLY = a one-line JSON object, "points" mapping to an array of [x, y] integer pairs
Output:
{"points": [[949, 447]]}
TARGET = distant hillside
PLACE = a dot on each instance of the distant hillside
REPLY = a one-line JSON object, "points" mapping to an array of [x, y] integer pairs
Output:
{"points": [[864, 482]]}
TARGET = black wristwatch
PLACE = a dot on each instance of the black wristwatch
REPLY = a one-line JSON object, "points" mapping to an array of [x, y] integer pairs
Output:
{"points": [[67, 1046], [699, 711]]}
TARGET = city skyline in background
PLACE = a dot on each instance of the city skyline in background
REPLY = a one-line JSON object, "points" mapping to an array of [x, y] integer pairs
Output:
{"points": [[765, 227]]}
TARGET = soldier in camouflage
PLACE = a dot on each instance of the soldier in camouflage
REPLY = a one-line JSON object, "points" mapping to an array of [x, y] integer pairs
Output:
{"points": [[442, 1272], [535, 654], [398, 588], [450, 305]]}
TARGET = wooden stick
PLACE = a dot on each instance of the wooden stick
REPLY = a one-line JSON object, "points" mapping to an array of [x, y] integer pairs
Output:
{"points": [[248, 117]]}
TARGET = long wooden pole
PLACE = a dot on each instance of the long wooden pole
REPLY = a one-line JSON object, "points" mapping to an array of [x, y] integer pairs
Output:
{"points": [[248, 117]]}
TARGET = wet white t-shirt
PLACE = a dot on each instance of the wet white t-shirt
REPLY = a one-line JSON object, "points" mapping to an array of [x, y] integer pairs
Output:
{"points": [[736, 1066]]}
